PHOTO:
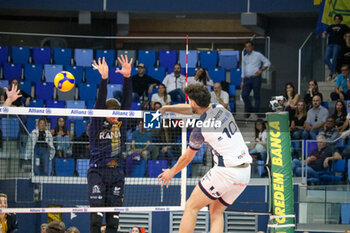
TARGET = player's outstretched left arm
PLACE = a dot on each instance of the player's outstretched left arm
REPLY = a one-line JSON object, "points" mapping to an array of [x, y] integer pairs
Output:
{"points": [[11, 96], [177, 108], [126, 66], [182, 162], [102, 67]]}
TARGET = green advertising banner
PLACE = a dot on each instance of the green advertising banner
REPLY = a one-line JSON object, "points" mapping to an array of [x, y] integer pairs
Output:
{"points": [[282, 195]]}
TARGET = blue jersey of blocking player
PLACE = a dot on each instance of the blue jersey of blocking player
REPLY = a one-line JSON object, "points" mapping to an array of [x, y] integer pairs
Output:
{"points": [[107, 140]]}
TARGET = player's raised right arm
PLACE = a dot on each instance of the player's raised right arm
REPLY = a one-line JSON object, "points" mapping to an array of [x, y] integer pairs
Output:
{"points": [[177, 108], [102, 68]]}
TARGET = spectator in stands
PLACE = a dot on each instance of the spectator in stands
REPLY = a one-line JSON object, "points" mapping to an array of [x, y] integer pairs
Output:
{"points": [[81, 149], [260, 140], [14, 84], [175, 83], [135, 230], [61, 138], [141, 136], [40, 148], [219, 96], [329, 131], [72, 230], [317, 160], [56, 227], [142, 84], [315, 118], [297, 120], [343, 81], [202, 77], [339, 116], [347, 231], [161, 97], [103, 229], [345, 56], [8, 222], [43, 228], [253, 64], [292, 98], [311, 91], [335, 33]]}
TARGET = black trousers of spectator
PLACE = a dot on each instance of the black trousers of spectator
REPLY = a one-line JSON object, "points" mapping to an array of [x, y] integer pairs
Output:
{"points": [[335, 96]]}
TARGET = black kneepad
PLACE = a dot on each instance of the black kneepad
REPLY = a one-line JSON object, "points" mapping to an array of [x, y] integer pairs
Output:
{"points": [[112, 220], [96, 219]]}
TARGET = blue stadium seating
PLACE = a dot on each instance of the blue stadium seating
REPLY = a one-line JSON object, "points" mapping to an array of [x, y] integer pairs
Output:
{"points": [[10, 128], [77, 72], [235, 77], [20, 54], [26, 87], [31, 123], [324, 104], [134, 71], [12, 71], [135, 106], [232, 90], [4, 83], [50, 71], [92, 76], [33, 73], [87, 91], [80, 127], [157, 73], [155, 167], [345, 212], [190, 71], [82, 167], [62, 56], [198, 157], [64, 167], [112, 89], [83, 57], [108, 54], [115, 78], [231, 104], [68, 95], [4, 54], [189, 169], [55, 104], [138, 170], [36, 103], [167, 58], [75, 104], [229, 59], [44, 90], [217, 74], [208, 59], [192, 58], [147, 57], [90, 104], [41, 55], [129, 53]]}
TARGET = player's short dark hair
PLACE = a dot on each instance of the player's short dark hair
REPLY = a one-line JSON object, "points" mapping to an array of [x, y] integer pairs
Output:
{"points": [[55, 227], [3, 195], [339, 16], [113, 104], [249, 42], [199, 94]]}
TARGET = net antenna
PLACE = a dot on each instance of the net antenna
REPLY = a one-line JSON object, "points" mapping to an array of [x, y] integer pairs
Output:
{"points": [[186, 67]]}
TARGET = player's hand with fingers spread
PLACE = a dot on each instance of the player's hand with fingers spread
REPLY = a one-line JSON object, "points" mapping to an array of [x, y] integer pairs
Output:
{"points": [[102, 67], [11, 96], [165, 177], [126, 66]]}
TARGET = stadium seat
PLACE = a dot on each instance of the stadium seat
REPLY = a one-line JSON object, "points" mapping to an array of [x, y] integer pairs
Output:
{"points": [[31, 123], [199, 156], [235, 77], [77, 72], [33, 73], [80, 127], [147, 57], [41, 55], [345, 213], [92, 76], [157, 73], [229, 59], [4, 83], [80, 104], [20, 55], [167, 58], [217, 74], [189, 169], [83, 57], [135, 106], [108, 54], [138, 170], [231, 104], [64, 167], [208, 59], [62, 56], [155, 167], [337, 171], [232, 90], [12, 71], [44, 90], [4, 54], [115, 78], [90, 104], [112, 90], [324, 104], [82, 167], [129, 53], [26, 87], [190, 71], [192, 58], [68, 95], [36, 103], [10, 128], [50, 71], [134, 71], [55, 104], [87, 91]]}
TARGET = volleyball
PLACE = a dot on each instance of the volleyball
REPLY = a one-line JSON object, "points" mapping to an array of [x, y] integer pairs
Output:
{"points": [[64, 81]]}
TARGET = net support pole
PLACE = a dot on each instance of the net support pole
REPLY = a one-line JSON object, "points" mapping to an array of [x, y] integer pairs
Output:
{"points": [[184, 171]]}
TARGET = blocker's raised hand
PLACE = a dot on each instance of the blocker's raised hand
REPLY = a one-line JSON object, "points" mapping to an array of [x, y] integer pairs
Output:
{"points": [[102, 67], [126, 66]]}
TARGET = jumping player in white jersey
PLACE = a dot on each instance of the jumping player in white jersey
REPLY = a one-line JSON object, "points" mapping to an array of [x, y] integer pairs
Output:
{"points": [[231, 173]]}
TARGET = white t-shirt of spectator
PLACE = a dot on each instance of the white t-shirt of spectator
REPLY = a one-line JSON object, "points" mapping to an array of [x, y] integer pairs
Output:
{"points": [[263, 139], [172, 83], [157, 98], [191, 80], [223, 95]]}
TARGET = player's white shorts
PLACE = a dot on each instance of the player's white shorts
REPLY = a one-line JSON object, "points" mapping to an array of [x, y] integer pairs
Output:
{"points": [[225, 183]]}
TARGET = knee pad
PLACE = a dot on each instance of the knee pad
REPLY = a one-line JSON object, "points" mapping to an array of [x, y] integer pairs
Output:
{"points": [[96, 219], [112, 220]]}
